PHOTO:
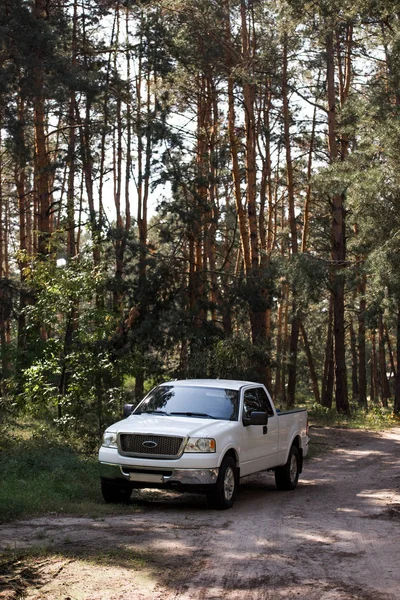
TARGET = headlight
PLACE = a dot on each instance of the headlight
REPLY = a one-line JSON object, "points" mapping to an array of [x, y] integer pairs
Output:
{"points": [[110, 439], [200, 445]]}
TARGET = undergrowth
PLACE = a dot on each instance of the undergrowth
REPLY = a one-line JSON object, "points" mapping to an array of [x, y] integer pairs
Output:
{"points": [[41, 473], [375, 418]]}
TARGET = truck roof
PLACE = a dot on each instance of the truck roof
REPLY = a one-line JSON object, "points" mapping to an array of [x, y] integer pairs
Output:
{"points": [[229, 384]]}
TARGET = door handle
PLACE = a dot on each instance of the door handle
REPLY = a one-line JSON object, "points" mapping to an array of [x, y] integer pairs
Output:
{"points": [[265, 429]]}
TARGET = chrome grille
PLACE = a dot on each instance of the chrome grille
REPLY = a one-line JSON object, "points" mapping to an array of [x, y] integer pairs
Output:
{"points": [[136, 444]]}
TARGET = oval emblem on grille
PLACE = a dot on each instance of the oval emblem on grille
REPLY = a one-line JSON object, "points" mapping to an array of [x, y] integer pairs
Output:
{"points": [[149, 444]]}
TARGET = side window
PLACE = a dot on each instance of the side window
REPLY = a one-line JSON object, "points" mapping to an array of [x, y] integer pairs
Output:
{"points": [[264, 402], [251, 402]]}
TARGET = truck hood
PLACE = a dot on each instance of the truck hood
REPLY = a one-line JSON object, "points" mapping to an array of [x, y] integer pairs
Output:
{"points": [[175, 426]]}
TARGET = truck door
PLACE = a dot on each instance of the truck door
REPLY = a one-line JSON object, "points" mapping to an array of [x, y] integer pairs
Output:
{"points": [[260, 442]]}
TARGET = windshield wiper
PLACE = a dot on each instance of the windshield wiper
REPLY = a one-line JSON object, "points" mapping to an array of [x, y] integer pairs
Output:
{"points": [[193, 414], [153, 412]]}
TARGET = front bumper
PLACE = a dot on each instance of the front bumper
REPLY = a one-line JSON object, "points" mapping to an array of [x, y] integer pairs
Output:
{"points": [[162, 477]]}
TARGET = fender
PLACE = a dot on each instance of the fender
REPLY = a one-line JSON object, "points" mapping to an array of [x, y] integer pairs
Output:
{"points": [[229, 448], [300, 446]]}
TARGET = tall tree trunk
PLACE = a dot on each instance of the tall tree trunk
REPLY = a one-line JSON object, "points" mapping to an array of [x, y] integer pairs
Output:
{"points": [[396, 406], [295, 322], [120, 235], [310, 360], [391, 357], [144, 85], [328, 375], [25, 221], [307, 203], [362, 361], [383, 380], [71, 157], [259, 294], [42, 166], [338, 244], [214, 213], [278, 393], [354, 363], [201, 199], [4, 299], [374, 369], [71, 247]]}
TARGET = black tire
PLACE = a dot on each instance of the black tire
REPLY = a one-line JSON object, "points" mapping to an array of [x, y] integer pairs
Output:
{"points": [[116, 493], [287, 476], [223, 494]]}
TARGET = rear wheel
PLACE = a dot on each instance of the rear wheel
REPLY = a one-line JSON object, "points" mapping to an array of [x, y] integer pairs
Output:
{"points": [[117, 493], [223, 495], [287, 476]]}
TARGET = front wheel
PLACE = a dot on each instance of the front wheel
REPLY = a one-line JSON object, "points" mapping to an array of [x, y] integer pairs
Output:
{"points": [[287, 476], [117, 493], [223, 494]]}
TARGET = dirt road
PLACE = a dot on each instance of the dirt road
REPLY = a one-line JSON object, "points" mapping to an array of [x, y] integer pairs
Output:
{"points": [[337, 537]]}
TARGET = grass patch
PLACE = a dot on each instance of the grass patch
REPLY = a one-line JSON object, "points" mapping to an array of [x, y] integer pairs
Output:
{"points": [[42, 474], [376, 418]]}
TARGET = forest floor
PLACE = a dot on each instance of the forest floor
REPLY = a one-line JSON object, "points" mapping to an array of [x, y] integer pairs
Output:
{"points": [[336, 537]]}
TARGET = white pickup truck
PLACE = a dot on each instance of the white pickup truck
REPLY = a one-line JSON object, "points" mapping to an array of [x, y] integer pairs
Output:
{"points": [[202, 436]]}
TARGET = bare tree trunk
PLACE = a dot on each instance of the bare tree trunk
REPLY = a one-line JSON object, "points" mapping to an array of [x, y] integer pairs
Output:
{"points": [[362, 361], [4, 299], [384, 383], [313, 374], [266, 193], [294, 334], [354, 363], [279, 350], [200, 210], [234, 149], [2, 221], [71, 247], [41, 162], [71, 158], [396, 406], [328, 376], [391, 357], [144, 151], [25, 223], [285, 349], [214, 213], [338, 242], [307, 203], [259, 294], [374, 369]]}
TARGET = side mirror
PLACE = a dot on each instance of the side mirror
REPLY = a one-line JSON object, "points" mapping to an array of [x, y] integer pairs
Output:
{"points": [[128, 408], [256, 418]]}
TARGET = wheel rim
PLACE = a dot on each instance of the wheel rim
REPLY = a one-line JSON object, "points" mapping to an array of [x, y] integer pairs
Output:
{"points": [[293, 468], [229, 483]]}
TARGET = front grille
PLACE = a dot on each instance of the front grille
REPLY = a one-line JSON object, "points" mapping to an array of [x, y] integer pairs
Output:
{"points": [[136, 444]]}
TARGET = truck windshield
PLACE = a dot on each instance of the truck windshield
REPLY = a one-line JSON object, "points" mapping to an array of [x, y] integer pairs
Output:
{"points": [[188, 401]]}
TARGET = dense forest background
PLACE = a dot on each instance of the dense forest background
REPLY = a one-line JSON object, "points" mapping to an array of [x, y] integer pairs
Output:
{"points": [[198, 189]]}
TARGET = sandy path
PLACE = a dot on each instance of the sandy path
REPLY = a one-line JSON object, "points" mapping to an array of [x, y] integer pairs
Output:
{"points": [[337, 537]]}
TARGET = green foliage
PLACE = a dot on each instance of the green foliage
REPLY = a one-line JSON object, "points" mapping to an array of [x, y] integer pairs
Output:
{"points": [[232, 358], [41, 473], [73, 376]]}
